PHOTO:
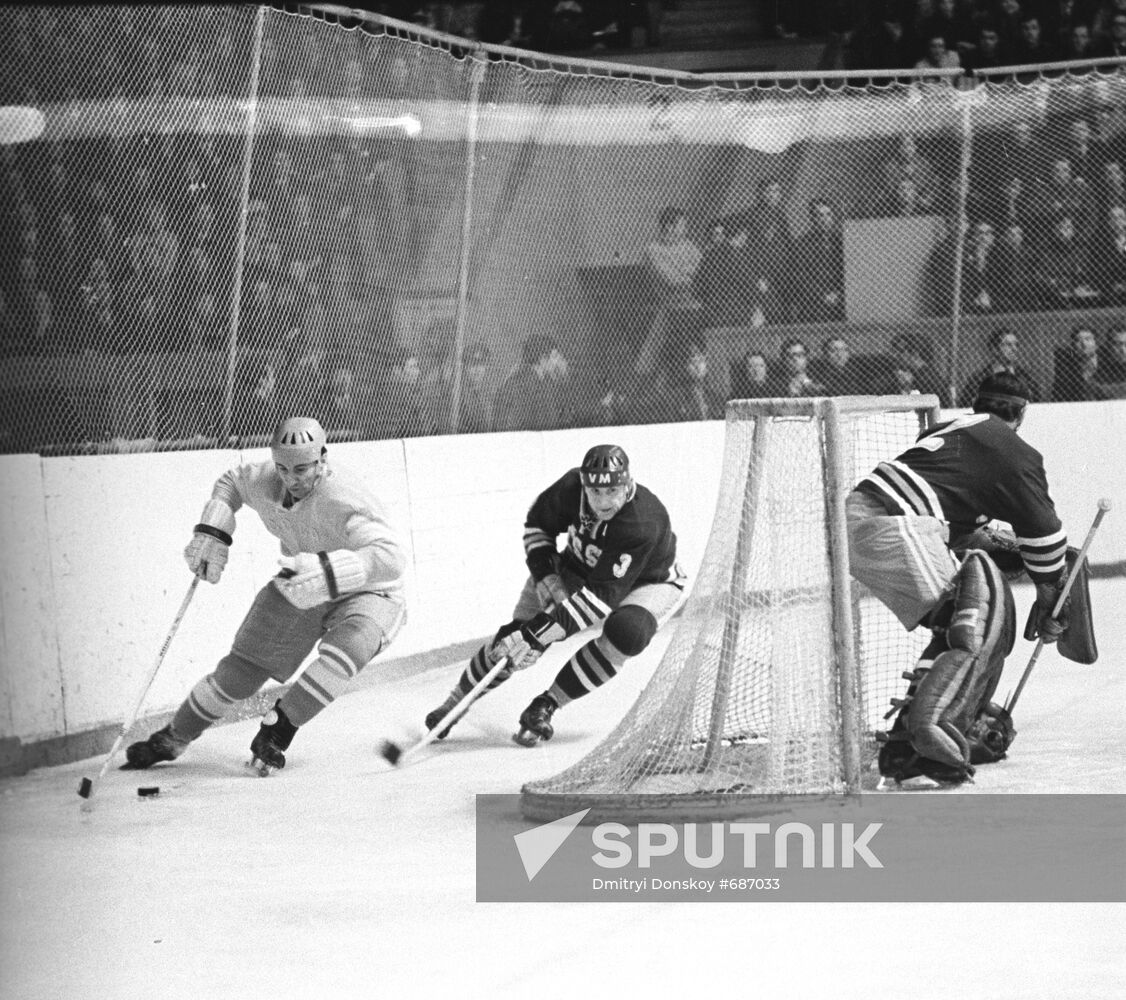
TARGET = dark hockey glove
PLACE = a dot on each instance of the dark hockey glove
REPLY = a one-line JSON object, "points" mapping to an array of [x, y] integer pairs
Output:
{"points": [[1000, 545], [1041, 624]]}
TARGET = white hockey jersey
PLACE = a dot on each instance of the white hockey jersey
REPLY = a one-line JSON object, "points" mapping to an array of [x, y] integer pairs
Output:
{"points": [[340, 513]]}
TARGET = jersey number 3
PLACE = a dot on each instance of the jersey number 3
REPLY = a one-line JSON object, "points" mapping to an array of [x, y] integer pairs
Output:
{"points": [[592, 553]]}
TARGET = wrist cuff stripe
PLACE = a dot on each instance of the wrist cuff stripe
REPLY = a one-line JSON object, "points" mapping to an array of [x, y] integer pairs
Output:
{"points": [[210, 529], [330, 576]]}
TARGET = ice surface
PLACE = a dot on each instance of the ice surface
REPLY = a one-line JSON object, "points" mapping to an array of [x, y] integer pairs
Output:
{"points": [[343, 877]]}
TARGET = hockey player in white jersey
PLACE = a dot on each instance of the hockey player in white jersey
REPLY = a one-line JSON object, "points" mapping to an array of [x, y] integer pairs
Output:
{"points": [[339, 589]]}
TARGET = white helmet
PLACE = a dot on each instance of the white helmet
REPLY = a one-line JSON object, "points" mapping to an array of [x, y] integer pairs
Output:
{"points": [[297, 441]]}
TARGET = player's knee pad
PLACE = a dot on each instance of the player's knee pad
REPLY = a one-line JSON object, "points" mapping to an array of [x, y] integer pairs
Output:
{"points": [[349, 646], [629, 629], [236, 677]]}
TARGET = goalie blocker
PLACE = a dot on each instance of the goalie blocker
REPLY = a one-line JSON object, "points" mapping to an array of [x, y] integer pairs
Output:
{"points": [[1077, 641]]}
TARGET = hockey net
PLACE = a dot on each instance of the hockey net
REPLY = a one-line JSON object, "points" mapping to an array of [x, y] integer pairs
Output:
{"points": [[781, 668]]}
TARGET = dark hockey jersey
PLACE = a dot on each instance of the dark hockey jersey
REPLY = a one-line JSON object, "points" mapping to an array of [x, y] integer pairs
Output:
{"points": [[970, 471], [612, 557]]}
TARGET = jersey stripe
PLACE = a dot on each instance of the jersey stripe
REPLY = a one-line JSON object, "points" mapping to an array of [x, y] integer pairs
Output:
{"points": [[536, 538], [584, 609], [1044, 557], [907, 488]]}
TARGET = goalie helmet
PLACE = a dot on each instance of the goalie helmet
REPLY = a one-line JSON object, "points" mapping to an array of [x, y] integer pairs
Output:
{"points": [[298, 441], [605, 465]]}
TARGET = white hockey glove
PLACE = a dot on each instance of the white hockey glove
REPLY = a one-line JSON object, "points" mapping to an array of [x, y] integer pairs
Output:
{"points": [[551, 591], [526, 645], [309, 579], [206, 553]]}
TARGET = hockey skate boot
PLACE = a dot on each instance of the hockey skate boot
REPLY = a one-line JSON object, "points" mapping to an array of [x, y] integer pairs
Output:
{"points": [[535, 721], [274, 736], [436, 716], [160, 746]]}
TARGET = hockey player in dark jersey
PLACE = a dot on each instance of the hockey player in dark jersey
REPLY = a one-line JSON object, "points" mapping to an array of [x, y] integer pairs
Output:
{"points": [[915, 527], [617, 572]]}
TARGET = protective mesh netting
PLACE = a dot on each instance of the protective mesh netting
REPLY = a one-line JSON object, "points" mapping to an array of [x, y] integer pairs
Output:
{"points": [[746, 699], [237, 212]]}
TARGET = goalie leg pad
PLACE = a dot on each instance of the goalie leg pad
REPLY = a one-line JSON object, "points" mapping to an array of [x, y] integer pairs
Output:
{"points": [[962, 680], [629, 628], [900, 761]]}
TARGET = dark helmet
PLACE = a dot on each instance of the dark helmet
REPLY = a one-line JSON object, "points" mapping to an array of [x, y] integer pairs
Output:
{"points": [[605, 465]]}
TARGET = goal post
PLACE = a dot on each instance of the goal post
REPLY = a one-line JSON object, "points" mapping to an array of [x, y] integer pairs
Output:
{"points": [[781, 666]]}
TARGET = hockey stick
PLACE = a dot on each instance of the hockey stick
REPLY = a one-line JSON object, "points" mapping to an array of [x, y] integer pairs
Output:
{"points": [[86, 786], [395, 754], [1104, 506]]}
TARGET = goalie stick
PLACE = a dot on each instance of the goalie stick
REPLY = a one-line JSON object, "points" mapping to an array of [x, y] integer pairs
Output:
{"points": [[395, 755], [86, 786], [1104, 506]]}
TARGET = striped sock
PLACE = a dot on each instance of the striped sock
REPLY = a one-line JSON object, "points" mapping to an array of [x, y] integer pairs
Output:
{"points": [[588, 669]]}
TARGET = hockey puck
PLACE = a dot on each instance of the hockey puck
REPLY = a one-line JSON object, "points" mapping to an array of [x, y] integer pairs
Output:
{"points": [[145, 791], [85, 787], [391, 752]]}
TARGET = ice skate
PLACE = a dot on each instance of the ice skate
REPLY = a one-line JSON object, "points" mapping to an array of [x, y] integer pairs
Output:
{"points": [[535, 721], [274, 737], [436, 716], [160, 746]]}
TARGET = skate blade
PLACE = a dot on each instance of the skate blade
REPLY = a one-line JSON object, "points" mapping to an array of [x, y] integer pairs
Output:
{"points": [[260, 767], [526, 738]]}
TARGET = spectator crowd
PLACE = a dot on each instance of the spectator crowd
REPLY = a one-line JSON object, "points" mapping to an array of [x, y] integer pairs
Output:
{"points": [[123, 243]]}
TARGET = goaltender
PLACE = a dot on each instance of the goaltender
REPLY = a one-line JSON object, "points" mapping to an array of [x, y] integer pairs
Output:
{"points": [[920, 539]]}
